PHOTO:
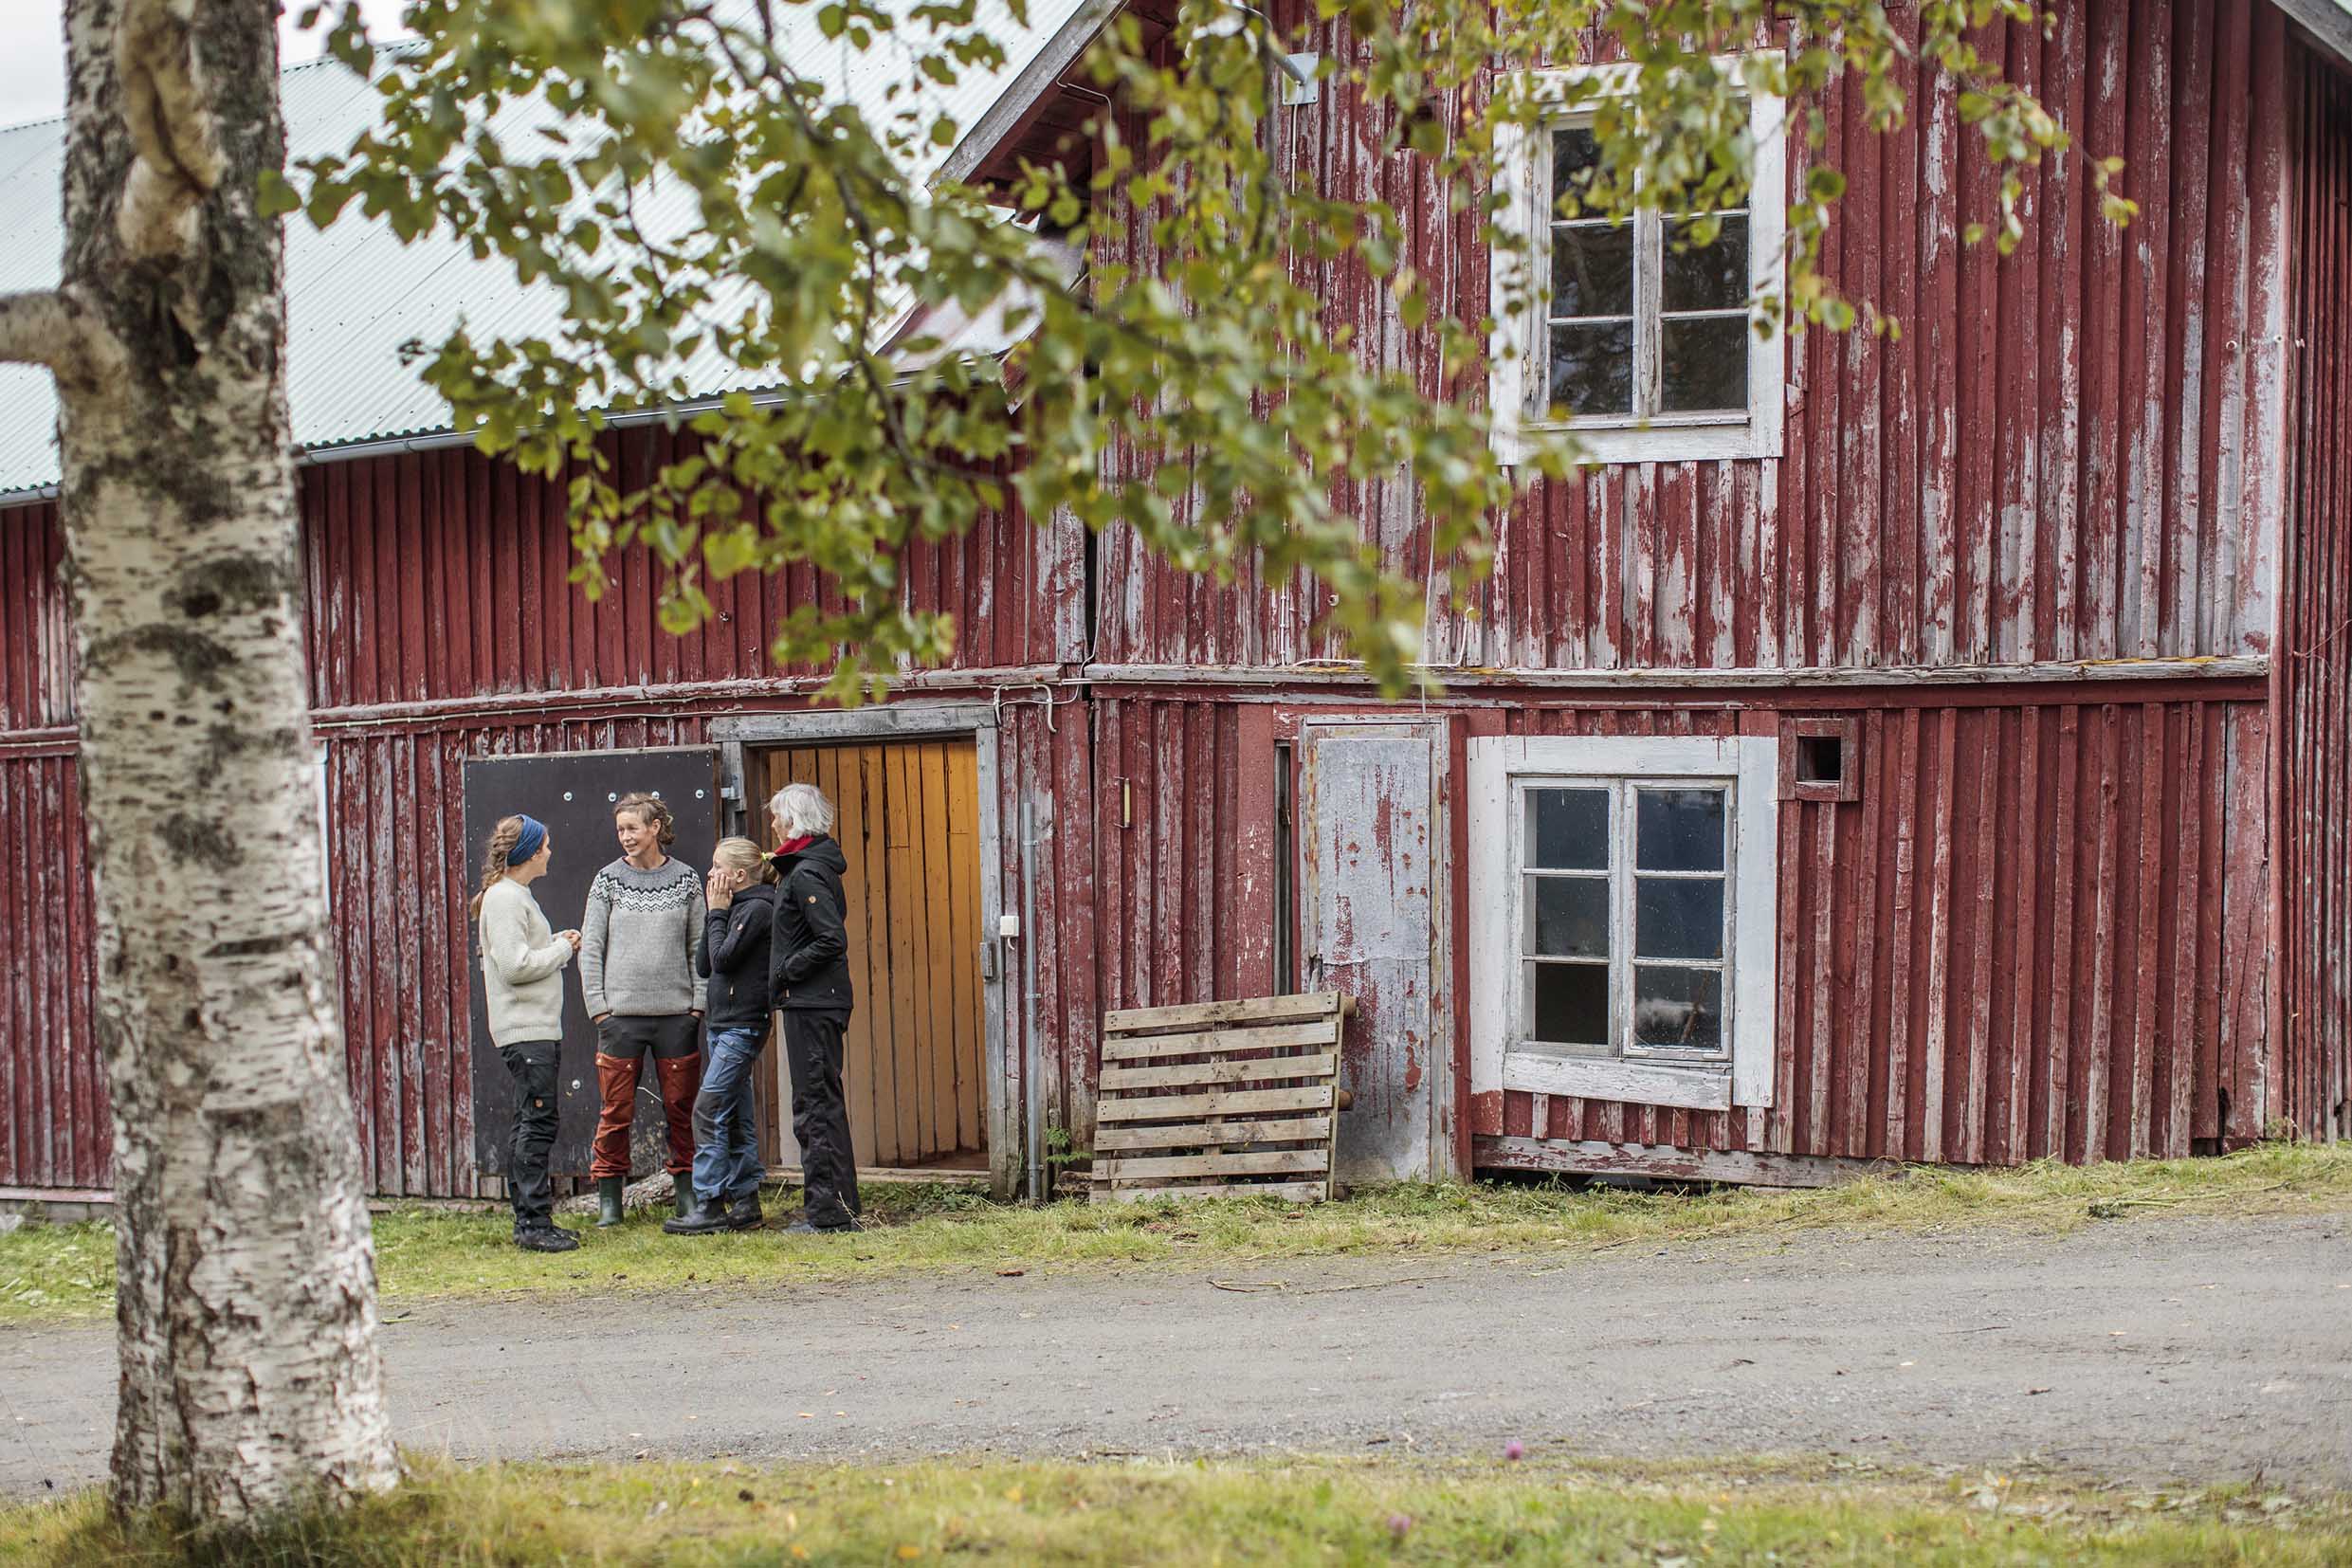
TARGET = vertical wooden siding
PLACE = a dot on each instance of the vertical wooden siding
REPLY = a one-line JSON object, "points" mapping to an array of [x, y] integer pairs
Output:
{"points": [[398, 875], [2038, 933], [2074, 452], [442, 574], [915, 1060], [402, 610], [53, 1086], [2314, 677], [36, 635]]}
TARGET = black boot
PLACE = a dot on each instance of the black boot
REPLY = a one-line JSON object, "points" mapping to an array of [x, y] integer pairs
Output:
{"points": [[743, 1214], [544, 1237], [608, 1200], [704, 1219], [681, 1193]]}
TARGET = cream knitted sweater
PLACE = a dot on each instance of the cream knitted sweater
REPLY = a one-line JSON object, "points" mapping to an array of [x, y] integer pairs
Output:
{"points": [[523, 963]]}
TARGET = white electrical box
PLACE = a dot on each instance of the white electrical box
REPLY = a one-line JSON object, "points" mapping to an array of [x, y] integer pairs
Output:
{"points": [[1009, 925]]}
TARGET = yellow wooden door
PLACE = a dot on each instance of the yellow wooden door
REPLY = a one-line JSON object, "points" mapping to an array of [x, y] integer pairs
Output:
{"points": [[916, 1058]]}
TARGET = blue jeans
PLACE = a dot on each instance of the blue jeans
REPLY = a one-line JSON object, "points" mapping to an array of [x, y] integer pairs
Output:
{"points": [[726, 1148]]}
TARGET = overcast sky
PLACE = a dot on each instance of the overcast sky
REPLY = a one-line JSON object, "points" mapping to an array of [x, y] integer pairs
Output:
{"points": [[32, 52]]}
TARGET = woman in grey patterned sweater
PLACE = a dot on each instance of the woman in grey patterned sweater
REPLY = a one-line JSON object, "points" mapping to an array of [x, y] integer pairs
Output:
{"points": [[640, 941]]}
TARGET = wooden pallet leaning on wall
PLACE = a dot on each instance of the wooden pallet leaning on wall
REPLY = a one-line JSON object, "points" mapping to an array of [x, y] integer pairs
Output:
{"points": [[1220, 1099]]}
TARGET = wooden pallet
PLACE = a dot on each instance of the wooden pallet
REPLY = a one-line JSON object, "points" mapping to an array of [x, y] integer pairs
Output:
{"points": [[1220, 1099]]}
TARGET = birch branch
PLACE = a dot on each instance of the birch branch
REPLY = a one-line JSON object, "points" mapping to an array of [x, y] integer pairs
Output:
{"points": [[40, 328], [164, 109]]}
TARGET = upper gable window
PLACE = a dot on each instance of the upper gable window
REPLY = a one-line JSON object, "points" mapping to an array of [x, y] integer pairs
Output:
{"points": [[1641, 341]]}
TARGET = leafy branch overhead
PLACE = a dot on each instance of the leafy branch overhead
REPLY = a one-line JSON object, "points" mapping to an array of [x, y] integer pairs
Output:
{"points": [[711, 211]]}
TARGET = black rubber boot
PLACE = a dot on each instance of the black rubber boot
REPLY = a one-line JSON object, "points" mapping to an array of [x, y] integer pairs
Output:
{"points": [[608, 1200], [704, 1219], [681, 1193], [743, 1214]]}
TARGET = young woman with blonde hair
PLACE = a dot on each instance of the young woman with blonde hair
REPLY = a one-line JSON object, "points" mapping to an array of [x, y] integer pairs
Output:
{"points": [[522, 979], [741, 895]]}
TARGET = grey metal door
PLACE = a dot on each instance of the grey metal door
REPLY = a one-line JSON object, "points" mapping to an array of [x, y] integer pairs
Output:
{"points": [[573, 792], [1373, 851]]}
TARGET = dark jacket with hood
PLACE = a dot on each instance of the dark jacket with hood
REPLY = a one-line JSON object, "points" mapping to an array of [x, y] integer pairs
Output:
{"points": [[735, 959], [807, 956]]}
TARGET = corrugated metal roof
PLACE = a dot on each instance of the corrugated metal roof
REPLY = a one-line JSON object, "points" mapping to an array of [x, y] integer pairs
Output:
{"points": [[354, 294]]}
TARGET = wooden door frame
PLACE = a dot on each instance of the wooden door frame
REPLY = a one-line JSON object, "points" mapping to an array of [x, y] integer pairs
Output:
{"points": [[913, 721]]}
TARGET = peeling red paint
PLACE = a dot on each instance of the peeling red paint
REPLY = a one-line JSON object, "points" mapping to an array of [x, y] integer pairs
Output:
{"points": [[2313, 688]]}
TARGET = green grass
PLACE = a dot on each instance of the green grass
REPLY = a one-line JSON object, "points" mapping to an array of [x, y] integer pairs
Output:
{"points": [[1284, 1511], [63, 1271]]}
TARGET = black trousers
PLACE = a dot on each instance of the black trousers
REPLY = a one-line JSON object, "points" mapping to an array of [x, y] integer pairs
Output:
{"points": [[532, 1063], [828, 1166]]}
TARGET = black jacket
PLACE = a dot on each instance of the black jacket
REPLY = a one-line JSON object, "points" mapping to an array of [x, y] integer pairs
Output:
{"points": [[808, 957], [735, 959]]}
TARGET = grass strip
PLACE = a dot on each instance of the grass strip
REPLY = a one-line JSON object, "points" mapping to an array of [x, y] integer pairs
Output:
{"points": [[1334, 1511], [63, 1271]]}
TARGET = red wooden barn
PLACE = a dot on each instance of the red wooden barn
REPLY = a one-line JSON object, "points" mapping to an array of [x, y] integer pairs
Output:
{"points": [[1934, 749]]}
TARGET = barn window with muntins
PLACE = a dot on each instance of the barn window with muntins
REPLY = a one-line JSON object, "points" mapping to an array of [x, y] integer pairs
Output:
{"points": [[1641, 334], [1642, 318], [1624, 890], [1625, 913]]}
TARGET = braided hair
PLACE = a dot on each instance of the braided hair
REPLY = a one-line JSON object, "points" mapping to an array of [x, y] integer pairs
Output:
{"points": [[494, 867]]}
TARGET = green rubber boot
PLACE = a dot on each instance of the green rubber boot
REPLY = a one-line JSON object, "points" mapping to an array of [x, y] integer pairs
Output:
{"points": [[682, 1193], [608, 1200]]}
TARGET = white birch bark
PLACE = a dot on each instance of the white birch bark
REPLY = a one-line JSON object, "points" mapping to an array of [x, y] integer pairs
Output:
{"points": [[246, 1319]]}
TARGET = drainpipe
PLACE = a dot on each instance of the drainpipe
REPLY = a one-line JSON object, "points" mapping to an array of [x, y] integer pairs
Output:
{"points": [[1032, 1051]]}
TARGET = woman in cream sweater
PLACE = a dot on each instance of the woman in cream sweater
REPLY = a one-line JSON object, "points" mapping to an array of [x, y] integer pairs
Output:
{"points": [[523, 978]]}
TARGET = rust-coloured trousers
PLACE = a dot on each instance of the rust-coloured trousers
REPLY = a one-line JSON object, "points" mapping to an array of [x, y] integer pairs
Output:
{"points": [[622, 1043]]}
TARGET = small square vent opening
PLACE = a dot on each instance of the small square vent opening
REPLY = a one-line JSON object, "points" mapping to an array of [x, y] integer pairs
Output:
{"points": [[1820, 760]]}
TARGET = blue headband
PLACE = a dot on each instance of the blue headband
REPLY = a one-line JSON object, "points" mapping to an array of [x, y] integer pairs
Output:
{"points": [[527, 844]]}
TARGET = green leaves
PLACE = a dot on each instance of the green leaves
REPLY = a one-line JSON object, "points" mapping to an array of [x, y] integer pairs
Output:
{"points": [[1259, 354]]}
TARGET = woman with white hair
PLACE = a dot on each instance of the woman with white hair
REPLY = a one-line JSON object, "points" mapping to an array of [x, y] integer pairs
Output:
{"points": [[809, 983]]}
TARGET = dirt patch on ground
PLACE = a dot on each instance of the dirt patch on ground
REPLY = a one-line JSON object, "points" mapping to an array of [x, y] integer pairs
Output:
{"points": [[2144, 1349]]}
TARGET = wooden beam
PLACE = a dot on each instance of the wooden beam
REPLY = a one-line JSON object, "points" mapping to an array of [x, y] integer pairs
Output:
{"points": [[1228, 1103], [1254, 1010], [1276, 1162], [1296, 1192], [1665, 1163], [1219, 1042], [1191, 1135], [1220, 1072]]}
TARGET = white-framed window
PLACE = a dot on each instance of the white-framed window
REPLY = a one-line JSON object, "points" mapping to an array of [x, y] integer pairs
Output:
{"points": [[1622, 899], [1639, 340]]}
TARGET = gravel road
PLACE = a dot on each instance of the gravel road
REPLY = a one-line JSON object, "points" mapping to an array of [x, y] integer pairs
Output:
{"points": [[2145, 1349]]}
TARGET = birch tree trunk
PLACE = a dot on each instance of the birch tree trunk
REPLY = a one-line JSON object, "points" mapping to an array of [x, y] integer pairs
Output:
{"points": [[247, 1318]]}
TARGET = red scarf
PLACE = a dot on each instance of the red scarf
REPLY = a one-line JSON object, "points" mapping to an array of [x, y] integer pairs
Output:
{"points": [[794, 846]]}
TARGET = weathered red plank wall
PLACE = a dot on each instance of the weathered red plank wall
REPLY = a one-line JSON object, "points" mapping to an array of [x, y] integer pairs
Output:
{"points": [[2074, 452], [442, 626], [442, 575], [52, 1089], [36, 634], [2314, 676], [2037, 932]]}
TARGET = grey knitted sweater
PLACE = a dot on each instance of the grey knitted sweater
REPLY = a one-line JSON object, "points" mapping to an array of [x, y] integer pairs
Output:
{"points": [[639, 940]]}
